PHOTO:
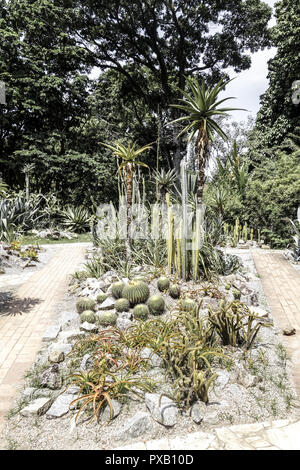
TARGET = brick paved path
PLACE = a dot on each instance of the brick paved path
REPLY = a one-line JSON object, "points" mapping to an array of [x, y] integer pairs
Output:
{"points": [[20, 335], [281, 284]]}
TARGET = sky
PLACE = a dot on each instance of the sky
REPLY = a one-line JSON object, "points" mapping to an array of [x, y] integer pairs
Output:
{"points": [[249, 85]]}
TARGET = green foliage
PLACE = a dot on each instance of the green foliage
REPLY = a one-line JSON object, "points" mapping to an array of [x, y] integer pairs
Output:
{"points": [[85, 304], [122, 305], [141, 311], [101, 298], [76, 219], [156, 304], [187, 305], [117, 289], [88, 315], [136, 292]]}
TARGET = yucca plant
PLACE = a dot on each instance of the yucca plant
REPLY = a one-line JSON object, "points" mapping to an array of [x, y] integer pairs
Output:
{"points": [[201, 106], [165, 181], [129, 161], [76, 219]]}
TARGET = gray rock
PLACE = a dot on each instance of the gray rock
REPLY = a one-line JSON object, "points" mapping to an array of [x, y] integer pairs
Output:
{"points": [[164, 412], [198, 411], [72, 390], [56, 356], [116, 406], [89, 327], [108, 304], [84, 364], [68, 319], [135, 426], [28, 392], [37, 407], [51, 378], [61, 347], [223, 379], [67, 336], [245, 379], [123, 323], [61, 406], [51, 333], [155, 360]]}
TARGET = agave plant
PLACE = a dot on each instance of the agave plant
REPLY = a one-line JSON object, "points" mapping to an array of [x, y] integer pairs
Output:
{"points": [[165, 181], [201, 107], [76, 219]]}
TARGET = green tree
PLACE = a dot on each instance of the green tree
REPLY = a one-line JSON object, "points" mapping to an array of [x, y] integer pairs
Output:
{"points": [[278, 114]]}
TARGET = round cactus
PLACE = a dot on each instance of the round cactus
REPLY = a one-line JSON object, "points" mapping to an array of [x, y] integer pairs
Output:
{"points": [[107, 318], [141, 311], [101, 298], [187, 305], [88, 315], [236, 294], [122, 305], [85, 303], [174, 291], [156, 304], [117, 288], [163, 283], [136, 292]]}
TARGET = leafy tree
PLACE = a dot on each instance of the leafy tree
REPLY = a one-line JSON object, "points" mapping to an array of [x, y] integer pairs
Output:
{"points": [[278, 114]]}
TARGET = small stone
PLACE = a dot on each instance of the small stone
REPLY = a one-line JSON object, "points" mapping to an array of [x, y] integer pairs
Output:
{"points": [[116, 406], [123, 323], [51, 333], [135, 426], [73, 390], [67, 336], [197, 411], [50, 377], [162, 409], [89, 327], [84, 362], [28, 392], [61, 406], [37, 407], [61, 347], [289, 331], [108, 304], [56, 356], [147, 353]]}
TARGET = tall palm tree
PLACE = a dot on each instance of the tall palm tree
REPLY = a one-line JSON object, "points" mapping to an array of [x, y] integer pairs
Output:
{"points": [[128, 155], [201, 106]]}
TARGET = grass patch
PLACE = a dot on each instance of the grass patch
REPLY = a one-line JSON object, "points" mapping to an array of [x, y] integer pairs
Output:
{"points": [[34, 240]]}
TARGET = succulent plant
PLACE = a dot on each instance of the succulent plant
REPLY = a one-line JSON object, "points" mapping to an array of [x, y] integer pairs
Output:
{"points": [[156, 304], [122, 305], [141, 311], [88, 315], [101, 298], [107, 318], [174, 291], [228, 286], [85, 303], [117, 289], [187, 304], [136, 292], [163, 283], [236, 294]]}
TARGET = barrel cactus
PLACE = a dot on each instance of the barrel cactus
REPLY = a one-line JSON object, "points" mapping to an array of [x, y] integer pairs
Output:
{"points": [[122, 305], [117, 289], [88, 315], [85, 303], [107, 318], [101, 298], [156, 304], [187, 305], [236, 294], [228, 286], [136, 292], [141, 311], [174, 291], [163, 283]]}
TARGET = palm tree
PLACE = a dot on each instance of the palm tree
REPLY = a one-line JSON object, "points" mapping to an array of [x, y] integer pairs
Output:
{"points": [[128, 155], [201, 106]]}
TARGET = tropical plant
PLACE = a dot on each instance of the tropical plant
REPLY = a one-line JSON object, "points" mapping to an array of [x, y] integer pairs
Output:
{"points": [[201, 107], [295, 246], [165, 181], [128, 156], [76, 219]]}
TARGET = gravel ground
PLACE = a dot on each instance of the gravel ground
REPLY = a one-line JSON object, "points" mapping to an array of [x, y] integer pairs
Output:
{"points": [[273, 398]]}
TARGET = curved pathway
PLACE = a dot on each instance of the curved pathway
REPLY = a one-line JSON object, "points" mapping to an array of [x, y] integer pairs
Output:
{"points": [[21, 335]]}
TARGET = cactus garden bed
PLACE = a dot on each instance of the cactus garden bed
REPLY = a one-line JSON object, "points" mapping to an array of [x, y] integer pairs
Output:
{"points": [[151, 356]]}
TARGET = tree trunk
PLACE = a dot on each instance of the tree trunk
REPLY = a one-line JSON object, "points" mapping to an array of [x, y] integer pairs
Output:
{"points": [[201, 154]]}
